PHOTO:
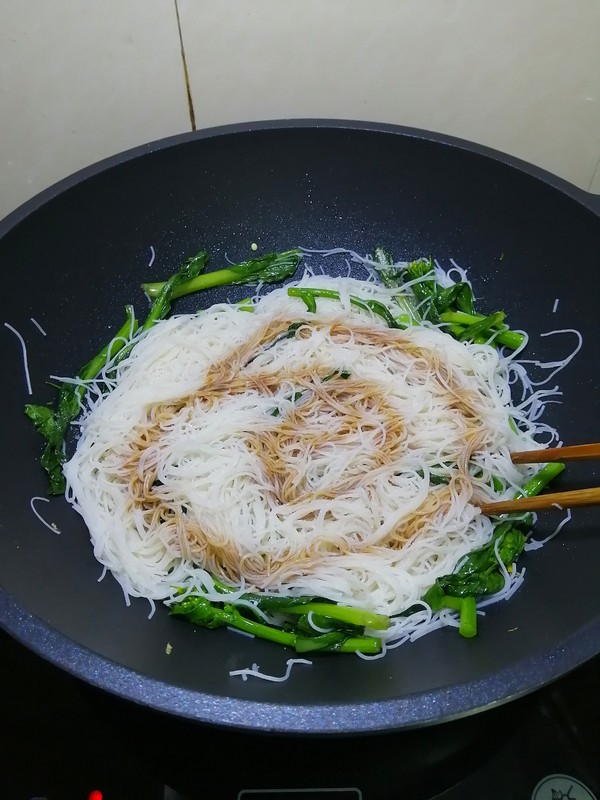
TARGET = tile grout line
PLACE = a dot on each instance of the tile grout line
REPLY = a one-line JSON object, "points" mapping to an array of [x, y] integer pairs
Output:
{"points": [[593, 178], [185, 71]]}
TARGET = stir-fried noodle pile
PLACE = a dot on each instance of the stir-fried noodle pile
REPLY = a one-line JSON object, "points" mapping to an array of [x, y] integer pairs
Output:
{"points": [[298, 453]]}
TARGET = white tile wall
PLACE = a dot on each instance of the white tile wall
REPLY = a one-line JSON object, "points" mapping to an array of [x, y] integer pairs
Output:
{"points": [[82, 80], [520, 75]]}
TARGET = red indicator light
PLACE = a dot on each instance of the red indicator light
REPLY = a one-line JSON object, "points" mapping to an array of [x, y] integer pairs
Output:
{"points": [[95, 795]]}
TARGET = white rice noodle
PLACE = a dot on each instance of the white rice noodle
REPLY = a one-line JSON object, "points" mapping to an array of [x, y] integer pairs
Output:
{"points": [[535, 544], [219, 452], [556, 366], [254, 671], [23, 354], [38, 326], [51, 525]]}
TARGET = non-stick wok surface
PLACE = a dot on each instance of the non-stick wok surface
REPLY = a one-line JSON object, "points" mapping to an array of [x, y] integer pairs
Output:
{"points": [[73, 257]]}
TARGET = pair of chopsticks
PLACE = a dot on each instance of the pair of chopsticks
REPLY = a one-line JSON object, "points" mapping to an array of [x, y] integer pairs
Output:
{"points": [[576, 497]]}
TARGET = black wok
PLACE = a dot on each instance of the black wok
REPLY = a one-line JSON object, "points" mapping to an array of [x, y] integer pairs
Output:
{"points": [[72, 258]]}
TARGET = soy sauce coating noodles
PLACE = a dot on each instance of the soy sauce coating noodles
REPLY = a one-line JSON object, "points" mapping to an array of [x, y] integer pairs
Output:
{"points": [[298, 453]]}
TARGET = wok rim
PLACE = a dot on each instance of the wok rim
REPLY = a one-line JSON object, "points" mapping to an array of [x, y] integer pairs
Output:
{"points": [[404, 713], [417, 710], [588, 199]]}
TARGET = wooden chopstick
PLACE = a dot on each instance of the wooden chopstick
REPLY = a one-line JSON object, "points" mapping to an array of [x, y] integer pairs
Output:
{"points": [[576, 452], [576, 497]]}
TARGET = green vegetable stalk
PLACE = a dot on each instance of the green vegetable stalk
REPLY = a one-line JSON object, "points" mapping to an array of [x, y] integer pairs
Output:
{"points": [[423, 298], [270, 268], [389, 276], [202, 612], [480, 573]]}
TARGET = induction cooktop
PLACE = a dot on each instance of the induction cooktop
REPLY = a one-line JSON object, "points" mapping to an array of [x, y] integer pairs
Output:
{"points": [[65, 740]]}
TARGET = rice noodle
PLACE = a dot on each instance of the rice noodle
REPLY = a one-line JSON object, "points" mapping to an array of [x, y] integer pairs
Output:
{"points": [[254, 671], [38, 326], [51, 525], [301, 465], [23, 354]]}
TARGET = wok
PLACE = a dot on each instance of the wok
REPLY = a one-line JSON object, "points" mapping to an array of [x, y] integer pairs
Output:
{"points": [[75, 255]]}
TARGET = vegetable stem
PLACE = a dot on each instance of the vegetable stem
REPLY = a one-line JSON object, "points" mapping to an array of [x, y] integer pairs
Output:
{"points": [[353, 616], [202, 612], [541, 479], [270, 268], [506, 337]]}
